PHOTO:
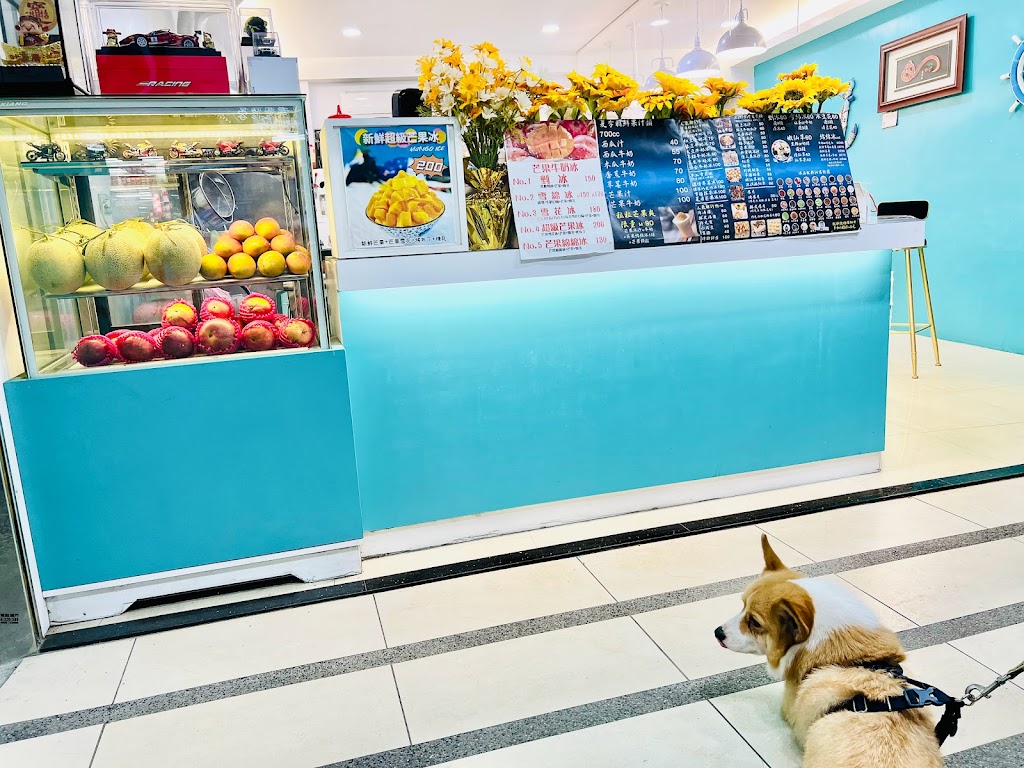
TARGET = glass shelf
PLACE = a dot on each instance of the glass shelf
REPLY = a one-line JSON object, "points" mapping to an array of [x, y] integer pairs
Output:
{"points": [[94, 291], [146, 166]]}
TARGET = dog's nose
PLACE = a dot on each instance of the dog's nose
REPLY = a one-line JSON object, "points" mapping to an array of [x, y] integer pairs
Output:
{"points": [[720, 634]]}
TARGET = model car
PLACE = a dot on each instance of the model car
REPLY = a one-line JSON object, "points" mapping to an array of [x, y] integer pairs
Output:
{"points": [[181, 149], [268, 147], [88, 153], [228, 149], [162, 38], [142, 149], [45, 153]]}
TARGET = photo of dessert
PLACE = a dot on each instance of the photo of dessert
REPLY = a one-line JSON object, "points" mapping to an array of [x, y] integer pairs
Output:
{"points": [[556, 140], [758, 228], [733, 174], [736, 192], [774, 227], [678, 225], [739, 210], [727, 141], [781, 151], [730, 158], [742, 230]]}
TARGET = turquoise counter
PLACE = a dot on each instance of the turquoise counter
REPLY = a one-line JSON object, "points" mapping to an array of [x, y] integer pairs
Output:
{"points": [[484, 396], [167, 467]]}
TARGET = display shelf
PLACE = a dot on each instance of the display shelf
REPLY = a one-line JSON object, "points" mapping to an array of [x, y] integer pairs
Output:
{"points": [[155, 286], [148, 165], [359, 274]]}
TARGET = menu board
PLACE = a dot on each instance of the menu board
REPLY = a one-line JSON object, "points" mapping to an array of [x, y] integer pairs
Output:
{"points": [[396, 187], [557, 195], [732, 178]]}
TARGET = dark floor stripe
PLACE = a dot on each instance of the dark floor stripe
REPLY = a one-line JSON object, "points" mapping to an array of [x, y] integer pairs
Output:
{"points": [[914, 638], [1005, 753], [138, 627]]}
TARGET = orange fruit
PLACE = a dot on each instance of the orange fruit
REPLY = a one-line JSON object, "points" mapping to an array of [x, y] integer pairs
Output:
{"points": [[283, 243], [271, 264], [241, 230], [268, 228], [298, 262], [242, 266], [255, 246], [226, 247], [213, 267]]}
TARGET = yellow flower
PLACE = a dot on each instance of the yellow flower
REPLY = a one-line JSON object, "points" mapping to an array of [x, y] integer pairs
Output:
{"points": [[677, 86], [724, 88], [794, 96], [657, 104], [701, 107], [824, 88], [801, 73], [760, 103]]}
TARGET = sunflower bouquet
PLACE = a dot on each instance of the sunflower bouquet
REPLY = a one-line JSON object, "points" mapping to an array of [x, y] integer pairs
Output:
{"points": [[484, 94], [685, 100], [801, 91]]}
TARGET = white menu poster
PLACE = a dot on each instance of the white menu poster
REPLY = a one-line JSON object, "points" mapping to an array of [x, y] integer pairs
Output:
{"points": [[558, 197]]}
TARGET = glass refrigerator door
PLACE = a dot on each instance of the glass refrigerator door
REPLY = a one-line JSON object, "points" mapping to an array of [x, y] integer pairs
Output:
{"points": [[116, 209]]}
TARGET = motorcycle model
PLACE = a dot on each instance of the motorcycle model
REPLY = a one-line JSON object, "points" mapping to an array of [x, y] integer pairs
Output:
{"points": [[45, 153], [142, 149], [89, 153], [181, 149], [229, 149], [269, 147]]}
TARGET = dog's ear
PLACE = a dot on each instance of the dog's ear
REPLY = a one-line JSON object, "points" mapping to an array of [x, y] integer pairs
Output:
{"points": [[771, 560], [794, 616]]}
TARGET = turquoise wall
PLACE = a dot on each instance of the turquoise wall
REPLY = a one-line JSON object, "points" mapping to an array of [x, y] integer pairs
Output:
{"points": [[964, 153], [157, 468], [477, 397]]}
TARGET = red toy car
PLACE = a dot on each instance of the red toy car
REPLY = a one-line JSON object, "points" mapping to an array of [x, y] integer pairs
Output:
{"points": [[162, 38]]}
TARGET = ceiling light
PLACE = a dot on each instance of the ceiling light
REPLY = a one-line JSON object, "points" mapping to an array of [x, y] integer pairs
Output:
{"points": [[351, 32], [661, 21], [743, 40], [730, 20], [550, 29], [698, 65]]}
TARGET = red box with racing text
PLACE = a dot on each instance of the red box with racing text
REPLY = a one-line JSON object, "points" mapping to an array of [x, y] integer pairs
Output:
{"points": [[153, 75]]}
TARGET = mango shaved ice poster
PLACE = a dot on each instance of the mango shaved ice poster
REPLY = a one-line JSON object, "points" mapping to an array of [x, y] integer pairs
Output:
{"points": [[398, 186]]}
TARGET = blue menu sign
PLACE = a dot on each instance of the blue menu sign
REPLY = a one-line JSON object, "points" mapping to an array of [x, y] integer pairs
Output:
{"points": [[733, 178]]}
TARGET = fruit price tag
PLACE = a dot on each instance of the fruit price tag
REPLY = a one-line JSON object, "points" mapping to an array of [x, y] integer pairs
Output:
{"points": [[430, 166], [558, 196]]}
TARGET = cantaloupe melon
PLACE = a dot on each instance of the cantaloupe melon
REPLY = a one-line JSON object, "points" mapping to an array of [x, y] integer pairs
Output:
{"points": [[86, 229], [141, 226], [115, 259], [173, 254], [55, 265]]}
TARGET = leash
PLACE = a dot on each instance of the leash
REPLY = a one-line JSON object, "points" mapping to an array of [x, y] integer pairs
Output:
{"points": [[923, 695]]}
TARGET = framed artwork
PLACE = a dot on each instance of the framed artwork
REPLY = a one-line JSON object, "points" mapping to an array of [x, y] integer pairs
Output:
{"points": [[923, 66]]}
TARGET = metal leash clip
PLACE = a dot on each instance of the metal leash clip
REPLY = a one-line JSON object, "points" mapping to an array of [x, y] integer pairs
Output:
{"points": [[976, 693]]}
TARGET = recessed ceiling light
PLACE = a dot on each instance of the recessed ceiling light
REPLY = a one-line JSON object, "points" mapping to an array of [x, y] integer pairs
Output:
{"points": [[361, 98], [550, 29], [351, 32]]}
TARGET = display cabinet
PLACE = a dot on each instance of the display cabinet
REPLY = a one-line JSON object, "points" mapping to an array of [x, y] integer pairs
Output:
{"points": [[124, 219]]}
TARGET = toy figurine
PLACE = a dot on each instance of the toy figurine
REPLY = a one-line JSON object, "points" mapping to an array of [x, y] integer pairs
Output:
{"points": [[112, 36], [30, 32], [142, 149], [268, 147], [208, 40], [45, 153], [181, 149], [229, 149], [88, 153]]}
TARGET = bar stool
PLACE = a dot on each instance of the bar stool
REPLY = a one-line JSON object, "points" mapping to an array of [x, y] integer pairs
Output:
{"points": [[918, 327]]}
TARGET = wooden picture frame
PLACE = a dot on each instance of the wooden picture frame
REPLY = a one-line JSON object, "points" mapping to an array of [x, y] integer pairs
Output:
{"points": [[924, 66]]}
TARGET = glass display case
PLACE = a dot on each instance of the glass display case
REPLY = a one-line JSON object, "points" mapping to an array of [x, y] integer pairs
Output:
{"points": [[146, 230]]}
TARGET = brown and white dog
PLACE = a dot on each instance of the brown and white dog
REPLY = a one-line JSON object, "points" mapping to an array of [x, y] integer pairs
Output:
{"points": [[815, 634]]}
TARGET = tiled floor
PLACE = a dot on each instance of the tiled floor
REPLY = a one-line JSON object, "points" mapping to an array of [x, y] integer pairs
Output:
{"points": [[605, 660]]}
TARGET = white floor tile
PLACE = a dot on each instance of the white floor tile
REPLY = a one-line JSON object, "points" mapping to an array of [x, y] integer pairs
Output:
{"points": [[694, 736], [1011, 398], [487, 600], [64, 681], [299, 726], [686, 632], [946, 585], [757, 715], [865, 528], [492, 684], [224, 650], [1004, 443], [933, 410], [687, 562], [1000, 650], [917, 456], [71, 749], [989, 504], [952, 671]]}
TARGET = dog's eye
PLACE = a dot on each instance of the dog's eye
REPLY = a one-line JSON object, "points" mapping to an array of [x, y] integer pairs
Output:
{"points": [[753, 623]]}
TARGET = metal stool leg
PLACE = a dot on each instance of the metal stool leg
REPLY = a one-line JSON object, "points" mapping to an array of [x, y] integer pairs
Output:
{"points": [[910, 311], [928, 304]]}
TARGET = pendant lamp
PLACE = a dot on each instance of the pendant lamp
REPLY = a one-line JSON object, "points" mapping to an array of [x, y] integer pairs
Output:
{"points": [[743, 40], [698, 65], [664, 64]]}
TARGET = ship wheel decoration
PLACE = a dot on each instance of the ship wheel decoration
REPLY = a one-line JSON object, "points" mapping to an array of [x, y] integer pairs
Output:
{"points": [[1016, 74]]}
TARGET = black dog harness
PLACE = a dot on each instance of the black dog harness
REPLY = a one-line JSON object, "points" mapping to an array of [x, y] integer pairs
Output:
{"points": [[918, 696]]}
